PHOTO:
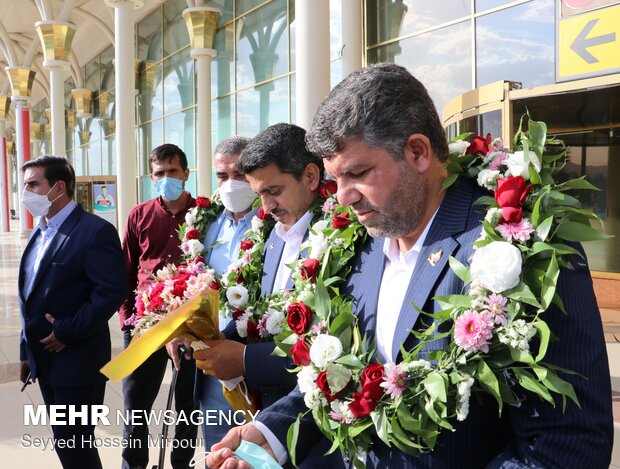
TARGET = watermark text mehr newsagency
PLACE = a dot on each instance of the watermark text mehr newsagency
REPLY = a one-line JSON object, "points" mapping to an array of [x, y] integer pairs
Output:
{"points": [[35, 415]]}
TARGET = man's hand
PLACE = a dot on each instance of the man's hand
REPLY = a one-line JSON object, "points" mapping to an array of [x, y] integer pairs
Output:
{"points": [[24, 370], [224, 359], [51, 343], [222, 452], [172, 348]]}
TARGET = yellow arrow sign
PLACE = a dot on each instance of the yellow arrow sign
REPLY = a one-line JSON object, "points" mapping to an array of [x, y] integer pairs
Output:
{"points": [[589, 44]]}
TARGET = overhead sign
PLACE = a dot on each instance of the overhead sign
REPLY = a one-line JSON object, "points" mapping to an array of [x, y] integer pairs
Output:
{"points": [[576, 7], [589, 44]]}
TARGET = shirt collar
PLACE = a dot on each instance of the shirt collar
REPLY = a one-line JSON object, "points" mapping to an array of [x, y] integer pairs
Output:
{"points": [[58, 219], [392, 252], [297, 232], [244, 220]]}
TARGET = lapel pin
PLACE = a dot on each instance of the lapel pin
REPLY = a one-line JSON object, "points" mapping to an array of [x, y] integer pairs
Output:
{"points": [[434, 258], [271, 246]]}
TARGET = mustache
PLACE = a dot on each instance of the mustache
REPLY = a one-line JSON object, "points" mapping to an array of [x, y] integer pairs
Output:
{"points": [[363, 207]]}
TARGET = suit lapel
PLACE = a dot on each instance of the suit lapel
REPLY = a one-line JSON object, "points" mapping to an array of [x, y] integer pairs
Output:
{"points": [[440, 242], [58, 241], [273, 252], [212, 234], [368, 283], [22, 267]]}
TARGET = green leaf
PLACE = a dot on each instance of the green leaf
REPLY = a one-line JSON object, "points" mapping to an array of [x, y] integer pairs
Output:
{"points": [[549, 283], [382, 425], [543, 229], [322, 303], [560, 198], [531, 384], [342, 322], [560, 386], [338, 377], [544, 334], [537, 133], [451, 179], [577, 184], [435, 386], [449, 301], [522, 293], [572, 231], [459, 269], [488, 381], [350, 360], [291, 439]]}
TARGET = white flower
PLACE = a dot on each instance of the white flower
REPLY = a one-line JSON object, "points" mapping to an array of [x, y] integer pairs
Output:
{"points": [[325, 349], [517, 335], [190, 218], [464, 391], [487, 178], [237, 296], [318, 227], [257, 224], [460, 146], [242, 324], [497, 266], [194, 247], [274, 321], [493, 215], [517, 165], [318, 245], [306, 379], [314, 399]]}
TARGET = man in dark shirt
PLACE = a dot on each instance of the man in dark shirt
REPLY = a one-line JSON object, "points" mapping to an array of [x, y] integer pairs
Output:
{"points": [[151, 242]]}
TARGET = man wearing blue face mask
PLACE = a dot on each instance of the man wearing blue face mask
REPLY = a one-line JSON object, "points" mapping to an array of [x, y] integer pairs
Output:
{"points": [[151, 242], [221, 249]]}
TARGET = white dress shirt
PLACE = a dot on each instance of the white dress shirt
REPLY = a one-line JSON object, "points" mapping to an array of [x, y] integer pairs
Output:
{"points": [[292, 241], [396, 277]]}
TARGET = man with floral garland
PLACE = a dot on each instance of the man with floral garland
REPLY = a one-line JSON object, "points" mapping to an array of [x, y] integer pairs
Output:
{"points": [[382, 140], [151, 242], [287, 177], [221, 242]]}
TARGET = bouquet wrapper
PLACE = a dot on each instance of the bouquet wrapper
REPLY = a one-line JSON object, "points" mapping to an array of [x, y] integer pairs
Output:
{"points": [[235, 391], [198, 311]]}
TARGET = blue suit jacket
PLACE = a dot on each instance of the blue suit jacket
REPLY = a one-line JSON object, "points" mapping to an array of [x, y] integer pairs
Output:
{"points": [[81, 281], [532, 435]]}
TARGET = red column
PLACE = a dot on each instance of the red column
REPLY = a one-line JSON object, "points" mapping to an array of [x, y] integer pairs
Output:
{"points": [[22, 140], [5, 178]]}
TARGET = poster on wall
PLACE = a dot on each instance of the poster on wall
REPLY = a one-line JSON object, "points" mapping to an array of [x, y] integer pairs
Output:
{"points": [[83, 195], [104, 193]]}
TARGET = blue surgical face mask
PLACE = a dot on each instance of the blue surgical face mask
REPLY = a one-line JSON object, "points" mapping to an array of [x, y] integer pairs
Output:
{"points": [[169, 188], [256, 456]]}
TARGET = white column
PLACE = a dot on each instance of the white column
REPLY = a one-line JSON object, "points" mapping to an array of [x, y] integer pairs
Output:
{"points": [[353, 52], [57, 101], [203, 107], [4, 190], [124, 47], [312, 56]]}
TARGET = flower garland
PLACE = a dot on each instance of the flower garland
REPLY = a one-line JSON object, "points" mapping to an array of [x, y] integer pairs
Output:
{"points": [[197, 220], [354, 399]]}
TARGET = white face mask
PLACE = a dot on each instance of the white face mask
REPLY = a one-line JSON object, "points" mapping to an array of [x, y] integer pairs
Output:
{"points": [[237, 196], [38, 205]]}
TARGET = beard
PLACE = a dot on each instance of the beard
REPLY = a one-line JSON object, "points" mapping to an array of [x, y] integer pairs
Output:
{"points": [[402, 211]]}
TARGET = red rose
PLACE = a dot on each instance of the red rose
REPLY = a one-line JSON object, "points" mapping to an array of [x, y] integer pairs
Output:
{"points": [[203, 202], [323, 385], [246, 244], [300, 353], [192, 234], [361, 405], [215, 284], [262, 214], [252, 330], [239, 278], [299, 317], [479, 145], [328, 189], [156, 303], [341, 220], [371, 379], [237, 313], [309, 269], [510, 194]]}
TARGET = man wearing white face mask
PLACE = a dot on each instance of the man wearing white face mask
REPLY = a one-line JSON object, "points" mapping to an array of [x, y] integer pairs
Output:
{"points": [[71, 281], [222, 247], [151, 242]]}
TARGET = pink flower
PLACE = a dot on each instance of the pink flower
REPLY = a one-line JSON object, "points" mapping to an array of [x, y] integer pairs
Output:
{"points": [[262, 327], [317, 328], [394, 381], [245, 260], [328, 206], [498, 161], [518, 231], [496, 307], [472, 331]]}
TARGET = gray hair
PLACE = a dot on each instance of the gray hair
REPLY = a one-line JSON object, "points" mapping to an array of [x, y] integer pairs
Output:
{"points": [[381, 105], [232, 145]]}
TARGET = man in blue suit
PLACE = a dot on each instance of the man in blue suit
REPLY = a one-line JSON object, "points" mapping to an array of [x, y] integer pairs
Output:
{"points": [[382, 140], [71, 281]]}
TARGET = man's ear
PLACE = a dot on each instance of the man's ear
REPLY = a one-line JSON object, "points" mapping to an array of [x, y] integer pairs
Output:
{"points": [[186, 173], [312, 176], [418, 152]]}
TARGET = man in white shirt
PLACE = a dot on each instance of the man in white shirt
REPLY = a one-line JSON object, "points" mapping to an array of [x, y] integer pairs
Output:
{"points": [[383, 142]]}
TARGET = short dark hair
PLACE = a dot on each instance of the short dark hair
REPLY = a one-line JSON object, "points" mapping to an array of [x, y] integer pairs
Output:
{"points": [[56, 168], [167, 152], [231, 146], [381, 105], [281, 144]]}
